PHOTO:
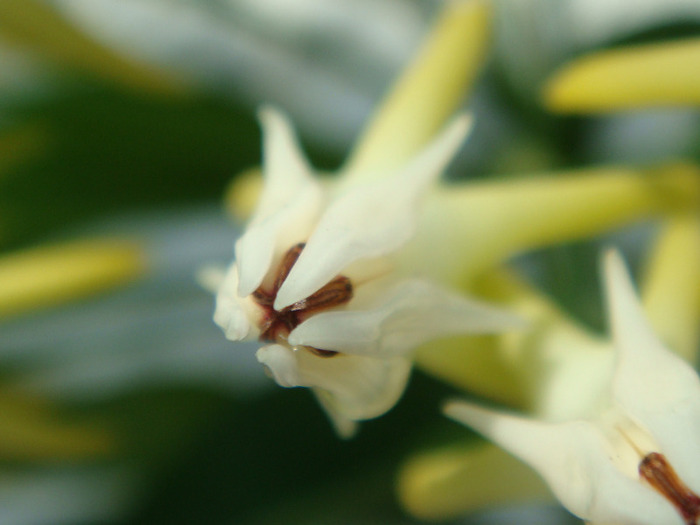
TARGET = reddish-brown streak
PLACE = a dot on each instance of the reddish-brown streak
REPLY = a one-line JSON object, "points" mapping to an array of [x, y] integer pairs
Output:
{"points": [[276, 325], [659, 473]]}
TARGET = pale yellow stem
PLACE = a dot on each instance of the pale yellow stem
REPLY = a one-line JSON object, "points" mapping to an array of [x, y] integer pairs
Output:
{"points": [[634, 77], [475, 364], [454, 481], [428, 92], [39, 28], [517, 367], [470, 227], [49, 275], [478, 364], [671, 285]]}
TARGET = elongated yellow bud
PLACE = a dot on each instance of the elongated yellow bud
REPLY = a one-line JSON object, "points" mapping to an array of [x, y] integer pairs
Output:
{"points": [[651, 75], [428, 92], [49, 275]]}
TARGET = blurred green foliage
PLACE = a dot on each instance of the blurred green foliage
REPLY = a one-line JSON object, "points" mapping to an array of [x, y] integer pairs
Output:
{"points": [[97, 144], [99, 149]]}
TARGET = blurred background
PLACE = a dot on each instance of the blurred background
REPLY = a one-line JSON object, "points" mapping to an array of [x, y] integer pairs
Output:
{"points": [[122, 122]]}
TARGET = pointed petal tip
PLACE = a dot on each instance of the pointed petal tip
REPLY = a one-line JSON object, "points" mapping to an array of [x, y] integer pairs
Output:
{"points": [[626, 316], [269, 115], [459, 410], [353, 227], [614, 266], [503, 429], [286, 296], [451, 138], [345, 427], [464, 124], [448, 406], [620, 290], [280, 363]]}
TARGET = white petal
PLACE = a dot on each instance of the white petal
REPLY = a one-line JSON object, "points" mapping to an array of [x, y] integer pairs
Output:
{"points": [[653, 385], [370, 220], [288, 207], [282, 364], [354, 387], [284, 163], [410, 314], [573, 460], [343, 425], [232, 313]]}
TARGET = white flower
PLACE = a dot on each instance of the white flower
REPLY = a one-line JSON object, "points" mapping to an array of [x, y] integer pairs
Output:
{"points": [[638, 462], [314, 277]]}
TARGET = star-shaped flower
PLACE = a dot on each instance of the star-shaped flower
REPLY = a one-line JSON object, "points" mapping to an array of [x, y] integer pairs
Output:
{"points": [[637, 461], [315, 278], [343, 278]]}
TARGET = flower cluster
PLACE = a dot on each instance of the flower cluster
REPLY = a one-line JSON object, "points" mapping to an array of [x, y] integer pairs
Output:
{"points": [[637, 460], [347, 281], [613, 424], [315, 280]]}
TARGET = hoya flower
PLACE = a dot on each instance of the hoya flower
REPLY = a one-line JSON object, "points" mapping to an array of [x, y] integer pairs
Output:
{"points": [[338, 279], [314, 278], [637, 460], [556, 370], [317, 276]]}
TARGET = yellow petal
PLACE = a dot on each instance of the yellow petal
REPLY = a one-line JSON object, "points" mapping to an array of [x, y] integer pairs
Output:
{"points": [[49, 275], [634, 77], [671, 285], [32, 430], [36, 27], [428, 92], [469, 227], [453, 481]]}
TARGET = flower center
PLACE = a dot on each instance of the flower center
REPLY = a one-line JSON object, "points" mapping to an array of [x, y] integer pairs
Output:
{"points": [[659, 473], [276, 325]]}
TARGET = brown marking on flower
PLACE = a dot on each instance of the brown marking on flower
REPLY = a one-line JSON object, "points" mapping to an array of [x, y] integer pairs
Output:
{"points": [[275, 326], [659, 473]]}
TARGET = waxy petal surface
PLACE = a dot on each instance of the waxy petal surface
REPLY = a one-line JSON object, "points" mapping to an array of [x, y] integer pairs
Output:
{"points": [[651, 384], [412, 313], [356, 387], [573, 458], [370, 220], [288, 207]]}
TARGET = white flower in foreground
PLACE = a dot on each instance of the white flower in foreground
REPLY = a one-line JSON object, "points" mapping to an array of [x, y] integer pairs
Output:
{"points": [[315, 281], [639, 461]]}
